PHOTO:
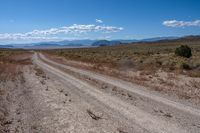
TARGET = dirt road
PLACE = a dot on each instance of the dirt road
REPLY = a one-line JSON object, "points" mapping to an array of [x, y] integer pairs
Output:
{"points": [[99, 103], [50, 97]]}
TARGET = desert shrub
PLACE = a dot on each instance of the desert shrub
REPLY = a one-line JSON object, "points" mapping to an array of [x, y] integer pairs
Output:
{"points": [[61, 52], [159, 62], [185, 66], [184, 51]]}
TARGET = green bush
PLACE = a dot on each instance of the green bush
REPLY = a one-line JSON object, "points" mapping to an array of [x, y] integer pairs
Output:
{"points": [[184, 51]]}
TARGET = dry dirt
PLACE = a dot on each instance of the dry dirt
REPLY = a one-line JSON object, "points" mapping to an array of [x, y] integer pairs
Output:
{"points": [[49, 97]]}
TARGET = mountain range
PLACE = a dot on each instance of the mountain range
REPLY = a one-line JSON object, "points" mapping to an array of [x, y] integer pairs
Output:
{"points": [[92, 43], [6, 46]]}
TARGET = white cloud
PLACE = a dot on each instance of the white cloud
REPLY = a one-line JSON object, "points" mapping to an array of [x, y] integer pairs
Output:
{"points": [[99, 21], [69, 30], [15, 37], [175, 23]]}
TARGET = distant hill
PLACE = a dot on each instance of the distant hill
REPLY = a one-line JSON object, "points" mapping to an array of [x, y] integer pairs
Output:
{"points": [[105, 43], [189, 38], [96, 43], [76, 42], [46, 45], [182, 39], [6, 46], [52, 46], [127, 41], [158, 39]]}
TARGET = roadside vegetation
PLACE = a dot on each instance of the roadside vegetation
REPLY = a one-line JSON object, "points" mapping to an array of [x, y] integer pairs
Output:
{"points": [[156, 65], [10, 60], [171, 56], [11, 65], [184, 51]]}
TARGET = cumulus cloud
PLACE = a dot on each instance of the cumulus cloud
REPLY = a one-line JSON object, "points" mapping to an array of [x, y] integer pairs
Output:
{"points": [[175, 23], [15, 37], [69, 30], [99, 21]]}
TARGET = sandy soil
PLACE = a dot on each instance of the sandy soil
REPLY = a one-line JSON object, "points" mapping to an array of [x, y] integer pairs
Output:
{"points": [[49, 97]]}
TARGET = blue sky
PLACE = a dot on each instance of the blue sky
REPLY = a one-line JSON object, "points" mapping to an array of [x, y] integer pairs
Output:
{"points": [[49, 20]]}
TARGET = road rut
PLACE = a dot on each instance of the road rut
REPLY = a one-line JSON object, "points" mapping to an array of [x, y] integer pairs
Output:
{"points": [[141, 120]]}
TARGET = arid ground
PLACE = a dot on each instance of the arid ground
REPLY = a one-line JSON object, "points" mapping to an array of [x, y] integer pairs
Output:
{"points": [[67, 92]]}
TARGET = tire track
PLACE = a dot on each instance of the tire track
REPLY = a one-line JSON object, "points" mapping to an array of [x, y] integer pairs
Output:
{"points": [[129, 87], [143, 119]]}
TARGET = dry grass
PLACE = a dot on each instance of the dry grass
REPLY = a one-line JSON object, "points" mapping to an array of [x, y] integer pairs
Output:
{"points": [[11, 64], [146, 56], [153, 65], [10, 61]]}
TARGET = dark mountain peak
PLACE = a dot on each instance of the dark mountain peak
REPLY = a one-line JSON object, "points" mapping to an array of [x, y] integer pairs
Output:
{"points": [[6, 46], [105, 43]]}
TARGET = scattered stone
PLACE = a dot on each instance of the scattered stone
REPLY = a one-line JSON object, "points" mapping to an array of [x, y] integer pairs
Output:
{"points": [[114, 89], [121, 131], [104, 86], [7, 122], [168, 115]]}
